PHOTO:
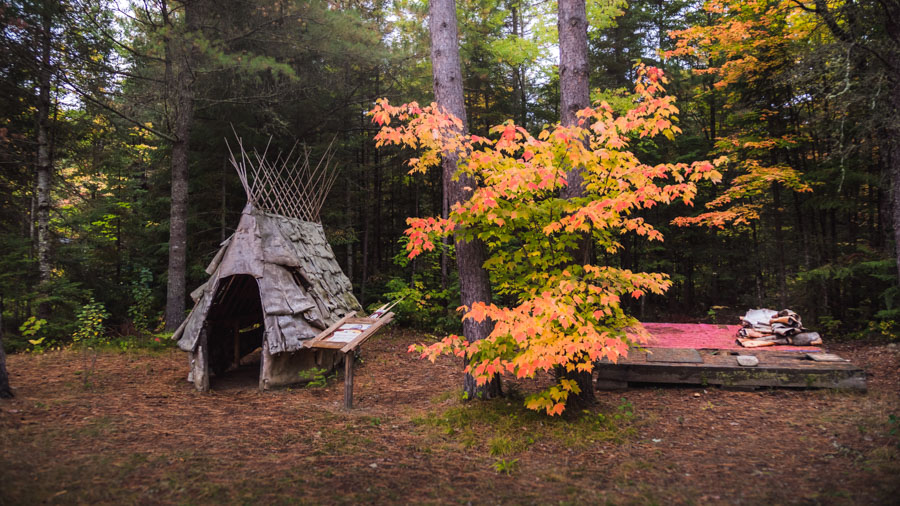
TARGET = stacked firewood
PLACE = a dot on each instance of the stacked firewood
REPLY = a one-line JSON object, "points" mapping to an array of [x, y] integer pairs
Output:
{"points": [[767, 327]]}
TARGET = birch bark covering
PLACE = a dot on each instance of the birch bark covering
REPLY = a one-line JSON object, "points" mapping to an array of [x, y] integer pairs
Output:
{"points": [[294, 273], [44, 164], [180, 55], [448, 93]]}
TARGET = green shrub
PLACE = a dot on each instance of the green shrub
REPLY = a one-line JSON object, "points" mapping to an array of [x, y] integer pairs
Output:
{"points": [[31, 330], [426, 304], [140, 310], [89, 330]]}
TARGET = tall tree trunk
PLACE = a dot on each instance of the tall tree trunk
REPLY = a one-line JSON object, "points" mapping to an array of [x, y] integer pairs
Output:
{"points": [[348, 223], [180, 54], [574, 72], [367, 226], [5, 391], [712, 115], [44, 166], [893, 165], [448, 93], [574, 95], [223, 212], [377, 212], [781, 274], [892, 26], [893, 142], [518, 110]]}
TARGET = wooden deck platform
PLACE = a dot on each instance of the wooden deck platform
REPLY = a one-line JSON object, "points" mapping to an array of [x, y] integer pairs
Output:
{"points": [[720, 367]]}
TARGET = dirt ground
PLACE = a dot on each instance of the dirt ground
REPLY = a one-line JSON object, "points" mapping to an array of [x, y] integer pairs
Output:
{"points": [[127, 428]]}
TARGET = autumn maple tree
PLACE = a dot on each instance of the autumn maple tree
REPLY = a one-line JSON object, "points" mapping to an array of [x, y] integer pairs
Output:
{"points": [[557, 312]]}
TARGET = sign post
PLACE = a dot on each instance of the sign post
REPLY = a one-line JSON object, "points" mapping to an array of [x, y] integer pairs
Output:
{"points": [[346, 336]]}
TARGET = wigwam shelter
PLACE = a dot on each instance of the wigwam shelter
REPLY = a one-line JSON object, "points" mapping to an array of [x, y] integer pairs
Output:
{"points": [[275, 283]]}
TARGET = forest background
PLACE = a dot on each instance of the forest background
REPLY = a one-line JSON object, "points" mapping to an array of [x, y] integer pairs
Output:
{"points": [[116, 189]]}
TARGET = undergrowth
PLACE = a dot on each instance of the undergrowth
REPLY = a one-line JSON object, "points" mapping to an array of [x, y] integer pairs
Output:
{"points": [[504, 428]]}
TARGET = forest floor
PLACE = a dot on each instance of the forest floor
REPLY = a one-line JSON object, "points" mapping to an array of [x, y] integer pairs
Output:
{"points": [[127, 428]]}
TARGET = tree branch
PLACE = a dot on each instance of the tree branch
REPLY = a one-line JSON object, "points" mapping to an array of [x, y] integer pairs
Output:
{"points": [[87, 96]]}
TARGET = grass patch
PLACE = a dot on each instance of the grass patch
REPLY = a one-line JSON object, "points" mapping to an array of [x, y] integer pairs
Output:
{"points": [[97, 427], [504, 428]]}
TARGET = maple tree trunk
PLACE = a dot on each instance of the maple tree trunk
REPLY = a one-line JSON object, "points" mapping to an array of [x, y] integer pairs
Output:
{"points": [[448, 93], [574, 95], [43, 168], [179, 55]]}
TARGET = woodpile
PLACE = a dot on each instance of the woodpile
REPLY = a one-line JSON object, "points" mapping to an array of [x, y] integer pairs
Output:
{"points": [[767, 327]]}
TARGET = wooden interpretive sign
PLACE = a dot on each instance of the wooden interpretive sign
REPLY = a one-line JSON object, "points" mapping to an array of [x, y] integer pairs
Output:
{"points": [[347, 335]]}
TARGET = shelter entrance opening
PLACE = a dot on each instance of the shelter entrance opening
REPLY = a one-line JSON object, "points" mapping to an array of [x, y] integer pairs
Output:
{"points": [[235, 325]]}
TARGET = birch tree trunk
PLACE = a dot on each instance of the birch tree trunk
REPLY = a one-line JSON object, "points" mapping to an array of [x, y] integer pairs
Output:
{"points": [[44, 165], [180, 58], [448, 93], [574, 95]]}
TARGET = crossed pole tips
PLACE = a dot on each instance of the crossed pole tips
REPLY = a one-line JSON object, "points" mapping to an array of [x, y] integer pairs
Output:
{"points": [[289, 185]]}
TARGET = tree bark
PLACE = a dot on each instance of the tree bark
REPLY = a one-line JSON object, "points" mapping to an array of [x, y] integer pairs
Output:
{"points": [[893, 164], [348, 223], [5, 391], [448, 93], [44, 166], [892, 27], [781, 274], [574, 95], [180, 54], [574, 76]]}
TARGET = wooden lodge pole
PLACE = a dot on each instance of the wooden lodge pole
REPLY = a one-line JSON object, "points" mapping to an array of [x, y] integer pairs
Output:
{"points": [[237, 346]]}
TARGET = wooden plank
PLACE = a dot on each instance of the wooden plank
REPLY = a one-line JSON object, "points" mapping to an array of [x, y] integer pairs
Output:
{"points": [[774, 370], [327, 332], [322, 340], [825, 357], [681, 355], [352, 345], [604, 384], [729, 358], [756, 376], [324, 344]]}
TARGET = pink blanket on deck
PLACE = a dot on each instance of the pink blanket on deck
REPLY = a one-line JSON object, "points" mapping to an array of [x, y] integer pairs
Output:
{"points": [[704, 336]]}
